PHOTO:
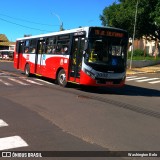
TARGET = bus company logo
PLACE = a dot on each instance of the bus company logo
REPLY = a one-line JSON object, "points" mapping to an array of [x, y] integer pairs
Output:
{"points": [[102, 75], [6, 154], [44, 57]]}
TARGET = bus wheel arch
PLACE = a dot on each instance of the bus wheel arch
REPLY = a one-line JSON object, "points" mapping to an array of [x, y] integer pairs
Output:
{"points": [[61, 77], [27, 70]]}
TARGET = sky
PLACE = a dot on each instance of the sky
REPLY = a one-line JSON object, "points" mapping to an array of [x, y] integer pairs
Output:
{"points": [[33, 17]]}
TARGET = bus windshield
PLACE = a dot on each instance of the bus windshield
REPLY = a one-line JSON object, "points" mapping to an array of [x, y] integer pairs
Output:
{"points": [[106, 51]]}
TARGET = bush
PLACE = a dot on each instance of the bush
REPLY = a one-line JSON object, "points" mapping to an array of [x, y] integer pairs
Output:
{"points": [[136, 53]]}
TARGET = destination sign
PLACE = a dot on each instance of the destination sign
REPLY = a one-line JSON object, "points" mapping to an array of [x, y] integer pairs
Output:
{"points": [[108, 33], [79, 33]]}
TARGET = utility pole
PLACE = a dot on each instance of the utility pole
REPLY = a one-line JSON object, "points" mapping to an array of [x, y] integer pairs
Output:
{"points": [[61, 23], [134, 34]]}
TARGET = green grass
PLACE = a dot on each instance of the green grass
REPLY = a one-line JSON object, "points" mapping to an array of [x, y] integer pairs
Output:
{"points": [[138, 54], [144, 58]]}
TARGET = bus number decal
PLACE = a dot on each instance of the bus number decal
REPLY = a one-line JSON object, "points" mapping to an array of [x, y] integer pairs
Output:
{"points": [[102, 75], [65, 61], [61, 62]]}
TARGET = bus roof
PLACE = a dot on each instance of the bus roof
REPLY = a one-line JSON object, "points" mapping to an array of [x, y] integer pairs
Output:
{"points": [[66, 32], [55, 33]]}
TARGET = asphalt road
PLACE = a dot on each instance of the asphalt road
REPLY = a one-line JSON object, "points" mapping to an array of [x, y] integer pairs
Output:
{"points": [[49, 117]]}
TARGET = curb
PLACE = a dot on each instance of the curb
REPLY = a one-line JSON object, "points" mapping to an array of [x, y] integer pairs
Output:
{"points": [[141, 72]]}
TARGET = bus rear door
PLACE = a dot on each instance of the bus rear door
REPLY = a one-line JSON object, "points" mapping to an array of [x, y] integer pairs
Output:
{"points": [[40, 57], [76, 58]]}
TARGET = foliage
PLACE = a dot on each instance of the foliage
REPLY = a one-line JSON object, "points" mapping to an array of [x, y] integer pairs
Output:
{"points": [[122, 15], [138, 54], [149, 58]]}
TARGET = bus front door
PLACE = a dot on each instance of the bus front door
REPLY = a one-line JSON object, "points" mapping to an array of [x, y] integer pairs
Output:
{"points": [[39, 60], [76, 58], [20, 55]]}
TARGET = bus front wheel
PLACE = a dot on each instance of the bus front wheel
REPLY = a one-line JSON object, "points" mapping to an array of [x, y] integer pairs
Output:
{"points": [[27, 70], [61, 79]]}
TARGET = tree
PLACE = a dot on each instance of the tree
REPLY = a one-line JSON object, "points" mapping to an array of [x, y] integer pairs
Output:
{"points": [[122, 14], [156, 16]]}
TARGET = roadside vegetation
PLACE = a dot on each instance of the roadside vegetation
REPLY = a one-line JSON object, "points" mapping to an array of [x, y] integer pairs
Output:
{"points": [[139, 54], [122, 14]]}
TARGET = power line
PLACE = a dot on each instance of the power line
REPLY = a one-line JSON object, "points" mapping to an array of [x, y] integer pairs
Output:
{"points": [[23, 25], [24, 20]]}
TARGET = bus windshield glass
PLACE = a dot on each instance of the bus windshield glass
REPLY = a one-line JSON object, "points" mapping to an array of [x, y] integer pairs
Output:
{"points": [[106, 51], [100, 50]]}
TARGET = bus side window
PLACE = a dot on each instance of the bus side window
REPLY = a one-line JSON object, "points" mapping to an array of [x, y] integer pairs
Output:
{"points": [[27, 43], [41, 47], [50, 45], [48, 50], [62, 47], [58, 49], [26, 46], [20, 47], [54, 49], [32, 48], [26, 50]]}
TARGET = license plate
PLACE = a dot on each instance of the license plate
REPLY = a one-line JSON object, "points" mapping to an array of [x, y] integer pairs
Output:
{"points": [[109, 83]]}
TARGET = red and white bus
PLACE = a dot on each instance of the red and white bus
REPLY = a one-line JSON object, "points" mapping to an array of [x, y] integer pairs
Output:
{"points": [[93, 56]]}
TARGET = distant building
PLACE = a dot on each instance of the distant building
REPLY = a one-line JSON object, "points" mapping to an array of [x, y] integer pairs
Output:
{"points": [[5, 44]]}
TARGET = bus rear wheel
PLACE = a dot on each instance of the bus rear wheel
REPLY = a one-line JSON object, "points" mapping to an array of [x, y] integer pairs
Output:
{"points": [[61, 78], [27, 70]]}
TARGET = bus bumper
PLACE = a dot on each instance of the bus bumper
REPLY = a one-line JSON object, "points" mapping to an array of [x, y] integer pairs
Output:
{"points": [[89, 81]]}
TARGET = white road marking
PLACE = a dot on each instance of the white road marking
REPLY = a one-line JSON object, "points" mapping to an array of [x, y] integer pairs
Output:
{"points": [[44, 81], [131, 77], [148, 79], [6, 83], [136, 78], [17, 81], [154, 82], [12, 142], [33, 82], [3, 123], [2, 74]]}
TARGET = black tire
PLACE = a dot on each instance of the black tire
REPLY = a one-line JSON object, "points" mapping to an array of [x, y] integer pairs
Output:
{"points": [[61, 78], [27, 70]]}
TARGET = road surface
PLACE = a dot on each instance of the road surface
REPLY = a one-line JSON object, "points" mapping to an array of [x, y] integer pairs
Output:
{"points": [[48, 117]]}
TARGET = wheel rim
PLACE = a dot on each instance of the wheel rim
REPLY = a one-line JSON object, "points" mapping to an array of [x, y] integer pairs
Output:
{"points": [[62, 78], [27, 72]]}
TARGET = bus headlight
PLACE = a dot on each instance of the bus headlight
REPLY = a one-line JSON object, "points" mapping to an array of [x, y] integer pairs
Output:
{"points": [[89, 73]]}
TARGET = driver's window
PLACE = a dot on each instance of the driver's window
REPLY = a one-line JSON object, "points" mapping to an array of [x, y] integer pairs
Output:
{"points": [[116, 50]]}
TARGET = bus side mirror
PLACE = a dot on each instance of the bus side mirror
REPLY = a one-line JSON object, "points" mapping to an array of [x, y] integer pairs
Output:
{"points": [[85, 45], [85, 55]]}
